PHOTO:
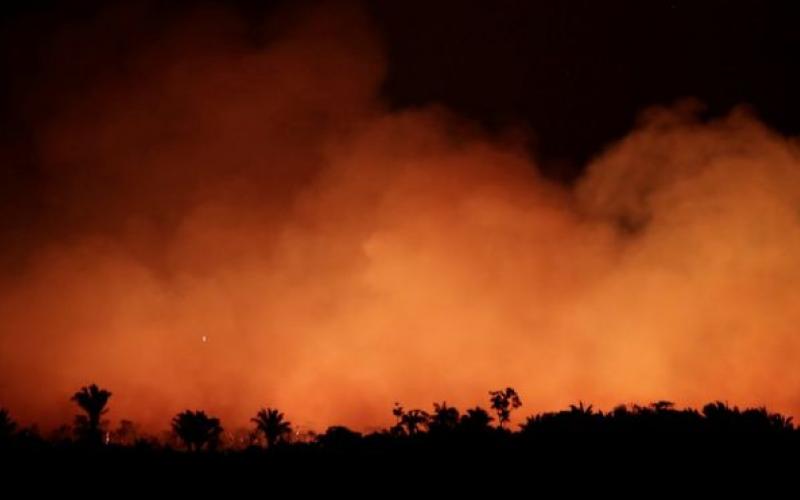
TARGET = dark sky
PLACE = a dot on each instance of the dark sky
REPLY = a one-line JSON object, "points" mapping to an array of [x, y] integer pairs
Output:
{"points": [[577, 73]]}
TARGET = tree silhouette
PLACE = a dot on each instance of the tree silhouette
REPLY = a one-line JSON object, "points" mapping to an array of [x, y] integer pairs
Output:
{"points": [[92, 400], [719, 416], [270, 422], [580, 409], [475, 420], [503, 402], [414, 420], [64, 433], [338, 436], [780, 422], [7, 425], [197, 430], [409, 422], [662, 406], [444, 419], [398, 413], [126, 434]]}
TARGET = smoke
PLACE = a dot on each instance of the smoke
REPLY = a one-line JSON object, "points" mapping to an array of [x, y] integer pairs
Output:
{"points": [[336, 256]]}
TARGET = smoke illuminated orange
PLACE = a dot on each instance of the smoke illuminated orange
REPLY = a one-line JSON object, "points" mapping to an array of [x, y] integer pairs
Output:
{"points": [[240, 227]]}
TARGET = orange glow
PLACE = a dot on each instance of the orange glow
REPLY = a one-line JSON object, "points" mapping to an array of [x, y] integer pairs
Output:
{"points": [[241, 227]]}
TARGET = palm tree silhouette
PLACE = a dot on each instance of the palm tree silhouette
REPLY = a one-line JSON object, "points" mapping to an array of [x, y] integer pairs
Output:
{"points": [[581, 410], [409, 422], [444, 418], [92, 400], [414, 420], [197, 430], [271, 423]]}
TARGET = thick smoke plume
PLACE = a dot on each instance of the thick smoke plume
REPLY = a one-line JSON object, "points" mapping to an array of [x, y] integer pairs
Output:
{"points": [[338, 256]]}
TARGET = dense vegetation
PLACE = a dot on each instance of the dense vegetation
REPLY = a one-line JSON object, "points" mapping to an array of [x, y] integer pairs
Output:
{"points": [[419, 442]]}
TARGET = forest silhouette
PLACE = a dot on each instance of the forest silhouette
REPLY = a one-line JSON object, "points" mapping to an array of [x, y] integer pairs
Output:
{"points": [[444, 446], [444, 428], [495, 446]]}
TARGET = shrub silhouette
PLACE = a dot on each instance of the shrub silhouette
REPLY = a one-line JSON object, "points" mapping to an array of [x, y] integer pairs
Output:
{"points": [[270, 422], [197, 430], [92, 400]]}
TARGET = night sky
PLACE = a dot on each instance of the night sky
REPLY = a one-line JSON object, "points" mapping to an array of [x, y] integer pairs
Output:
{"points": [[576, 73]]}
